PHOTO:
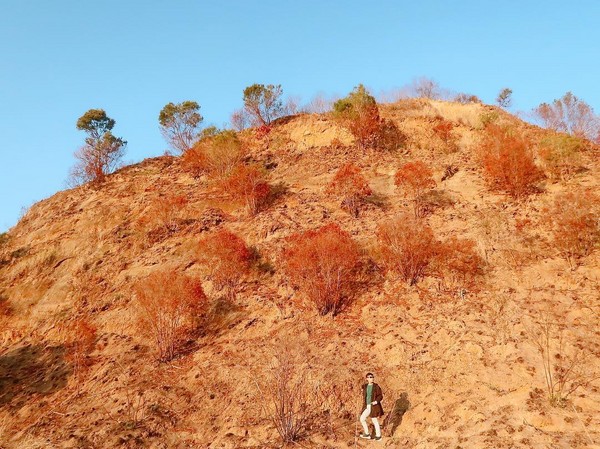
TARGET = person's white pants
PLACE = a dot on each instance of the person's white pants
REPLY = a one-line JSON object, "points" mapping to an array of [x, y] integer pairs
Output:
{"points": [[363, 421]]}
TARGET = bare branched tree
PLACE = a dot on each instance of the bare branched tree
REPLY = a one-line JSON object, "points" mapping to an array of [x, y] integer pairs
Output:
{"points": [[570, 115], [287, 396]]}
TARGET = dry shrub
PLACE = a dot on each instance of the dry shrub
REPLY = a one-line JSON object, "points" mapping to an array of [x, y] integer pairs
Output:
{"points": [[322, 263], [508, 162], [443, 128], [349, 184], [567, 364], [561, 156], [464, 98], [286, 397], [364, 126], [169, 307], [165, 210], [415, 179], [247, 184], [574, 220], [389, 137], [407, 246], [215, 155], [81, 341], [227, 258], [458, 264]]}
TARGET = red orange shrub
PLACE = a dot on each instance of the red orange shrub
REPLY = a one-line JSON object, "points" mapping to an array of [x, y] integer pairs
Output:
{"points": [[415, 178], [351, 186], [248, 184], [227, 257], [458, 263], [508, 162], [169, 307], [443, 128], [574, 219], [166, 210], [407, 247], [322, 264]]}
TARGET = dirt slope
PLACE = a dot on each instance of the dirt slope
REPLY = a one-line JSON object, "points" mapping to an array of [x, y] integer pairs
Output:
{"points": [[465, 360]]}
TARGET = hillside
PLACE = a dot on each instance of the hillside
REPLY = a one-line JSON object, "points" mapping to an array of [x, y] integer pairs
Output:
{"points": [[464, 359]]}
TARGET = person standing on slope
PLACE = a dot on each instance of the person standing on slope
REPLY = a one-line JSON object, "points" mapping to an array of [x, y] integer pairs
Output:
{"points": [[372, 397]]}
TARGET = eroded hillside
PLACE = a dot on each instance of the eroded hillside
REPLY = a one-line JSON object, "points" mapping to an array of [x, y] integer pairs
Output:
{"points": [[462, 358]]}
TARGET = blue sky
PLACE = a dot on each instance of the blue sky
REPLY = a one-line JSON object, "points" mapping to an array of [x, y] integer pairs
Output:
{"points": [[60, 58]]}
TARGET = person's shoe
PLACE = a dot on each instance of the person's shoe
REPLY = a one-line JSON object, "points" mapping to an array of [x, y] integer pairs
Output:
{"points": [[366, 436], [377, 438]]}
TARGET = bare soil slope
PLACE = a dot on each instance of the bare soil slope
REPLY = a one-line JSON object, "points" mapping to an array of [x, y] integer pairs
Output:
{"points": [[465, 361]]}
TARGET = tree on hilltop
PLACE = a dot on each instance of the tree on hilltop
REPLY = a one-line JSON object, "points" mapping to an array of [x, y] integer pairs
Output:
{"points": [[570, 115], [179, 124], [102, 152], [504, 98], [263, 103], [358, 112]]}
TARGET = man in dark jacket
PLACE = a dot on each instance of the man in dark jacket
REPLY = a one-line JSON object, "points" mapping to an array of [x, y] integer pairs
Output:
{"points": [[372, 397]]}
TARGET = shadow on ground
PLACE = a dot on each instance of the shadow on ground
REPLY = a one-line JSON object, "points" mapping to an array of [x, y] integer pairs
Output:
{"points": [[31, 370], [394, 418]]}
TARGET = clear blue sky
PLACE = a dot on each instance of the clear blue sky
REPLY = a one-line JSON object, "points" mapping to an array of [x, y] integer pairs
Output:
{"points": [[59, 58]]}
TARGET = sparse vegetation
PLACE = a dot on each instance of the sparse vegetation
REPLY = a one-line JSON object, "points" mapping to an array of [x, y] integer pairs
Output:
{"points": [[349, 184], [410, 299], [179, 124], [322, 263], [169, 307]]}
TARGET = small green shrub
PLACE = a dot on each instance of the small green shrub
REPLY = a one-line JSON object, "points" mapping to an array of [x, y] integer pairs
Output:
{"points": [[488, 118], [561, 155], [359, 114]]}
